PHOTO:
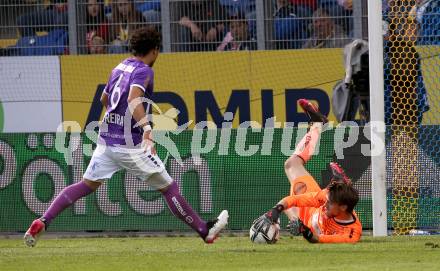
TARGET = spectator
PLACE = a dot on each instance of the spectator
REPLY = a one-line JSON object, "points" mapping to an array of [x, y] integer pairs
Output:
{"points": [[246, 7], [44, 18], [346, 4], [341, 11], [290, 24], [201, 25], [326, 34], [97, 25], [427, 16], [415, 90], [97, 45], [125, 19], [400, 51], [238, 37]]}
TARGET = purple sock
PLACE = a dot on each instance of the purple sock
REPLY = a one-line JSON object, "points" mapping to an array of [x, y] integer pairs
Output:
{"points": [[182, 210], [67, 197]]}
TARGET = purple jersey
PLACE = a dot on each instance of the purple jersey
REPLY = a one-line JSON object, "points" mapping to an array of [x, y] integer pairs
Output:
{"points": [[129, 73]]}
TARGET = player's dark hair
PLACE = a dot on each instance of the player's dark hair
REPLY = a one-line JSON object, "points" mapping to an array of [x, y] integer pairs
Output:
{"points": [[343, 194], [143, 40]]}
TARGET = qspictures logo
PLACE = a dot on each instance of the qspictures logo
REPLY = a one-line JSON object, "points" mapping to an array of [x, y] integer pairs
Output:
{"points": [[2, 117]]}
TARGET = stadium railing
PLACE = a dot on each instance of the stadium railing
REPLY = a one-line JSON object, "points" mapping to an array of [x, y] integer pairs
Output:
{"points": [[43, 27]]}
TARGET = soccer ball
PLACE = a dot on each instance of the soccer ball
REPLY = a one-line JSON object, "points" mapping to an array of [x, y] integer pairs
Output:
{"points": [[263, 231]]}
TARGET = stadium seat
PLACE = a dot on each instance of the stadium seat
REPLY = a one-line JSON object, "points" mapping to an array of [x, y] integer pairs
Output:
{"points": [[148, 5], [7, 42], [54, 43]]}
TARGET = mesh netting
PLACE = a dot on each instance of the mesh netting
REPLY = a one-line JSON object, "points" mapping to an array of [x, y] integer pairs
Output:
{"points": [[43, 27], [411, 79]]}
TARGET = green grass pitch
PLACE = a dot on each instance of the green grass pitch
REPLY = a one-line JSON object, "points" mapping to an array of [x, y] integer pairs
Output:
{"points": [[228, 253]]}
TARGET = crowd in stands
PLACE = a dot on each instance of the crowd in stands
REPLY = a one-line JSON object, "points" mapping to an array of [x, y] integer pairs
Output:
{"points": [[104, 26]]}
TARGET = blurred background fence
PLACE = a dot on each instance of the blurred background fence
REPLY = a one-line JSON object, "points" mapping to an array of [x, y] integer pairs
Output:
{"points": [[44, 27]]}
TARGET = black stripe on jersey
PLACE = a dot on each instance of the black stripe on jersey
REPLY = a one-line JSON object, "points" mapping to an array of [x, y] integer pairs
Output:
{"points": [[347, 223]]}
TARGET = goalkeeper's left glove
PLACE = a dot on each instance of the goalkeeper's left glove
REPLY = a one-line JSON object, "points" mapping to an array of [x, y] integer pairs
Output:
{"points": [[274, 213], [293, 227], [307, 232]]}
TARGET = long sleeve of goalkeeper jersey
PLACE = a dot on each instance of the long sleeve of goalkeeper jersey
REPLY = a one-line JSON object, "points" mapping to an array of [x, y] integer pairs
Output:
{"points": [[312, 199], [350, 237]]}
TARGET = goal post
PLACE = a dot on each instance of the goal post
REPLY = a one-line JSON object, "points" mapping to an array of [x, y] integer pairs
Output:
{"points": [[377, 116], [404, 80]]}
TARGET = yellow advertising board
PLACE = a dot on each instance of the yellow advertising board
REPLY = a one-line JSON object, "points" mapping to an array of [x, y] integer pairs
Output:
{"points": [[202, 86]]}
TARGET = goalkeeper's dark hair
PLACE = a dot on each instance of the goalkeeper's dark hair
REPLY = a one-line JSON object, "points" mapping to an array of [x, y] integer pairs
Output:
{"points": [[143, 40], [343, 194]]}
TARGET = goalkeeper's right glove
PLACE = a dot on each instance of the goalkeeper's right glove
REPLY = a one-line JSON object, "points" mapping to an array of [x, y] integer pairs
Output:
{"points": [[294, 227], [307, 232], [274, 213]]}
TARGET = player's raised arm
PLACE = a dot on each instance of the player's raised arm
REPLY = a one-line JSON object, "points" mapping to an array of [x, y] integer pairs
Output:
{"points": [[104, 99]]}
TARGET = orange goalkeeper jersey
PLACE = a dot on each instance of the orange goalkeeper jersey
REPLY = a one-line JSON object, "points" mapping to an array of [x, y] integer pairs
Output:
{"points": [[312, 213]]}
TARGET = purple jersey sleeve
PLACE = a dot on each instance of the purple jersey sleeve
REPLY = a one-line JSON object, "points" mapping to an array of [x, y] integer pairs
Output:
{"points": [[106, 88], [143, 78], [110, 83]]}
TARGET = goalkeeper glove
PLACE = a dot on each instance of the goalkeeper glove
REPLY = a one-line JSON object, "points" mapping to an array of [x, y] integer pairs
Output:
{"points": [[274, 214], [293, 227], [307, 232]]}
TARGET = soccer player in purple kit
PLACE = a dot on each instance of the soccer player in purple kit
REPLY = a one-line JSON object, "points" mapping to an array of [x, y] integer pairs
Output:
{"points": [[133, 151]]}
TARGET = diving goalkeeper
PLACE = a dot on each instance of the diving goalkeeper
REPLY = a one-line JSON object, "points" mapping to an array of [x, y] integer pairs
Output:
{"points": [[320, 215]]}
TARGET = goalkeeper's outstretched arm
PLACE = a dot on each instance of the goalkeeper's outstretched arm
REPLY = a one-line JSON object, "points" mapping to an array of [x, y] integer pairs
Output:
{"points": [[312, 199]]}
